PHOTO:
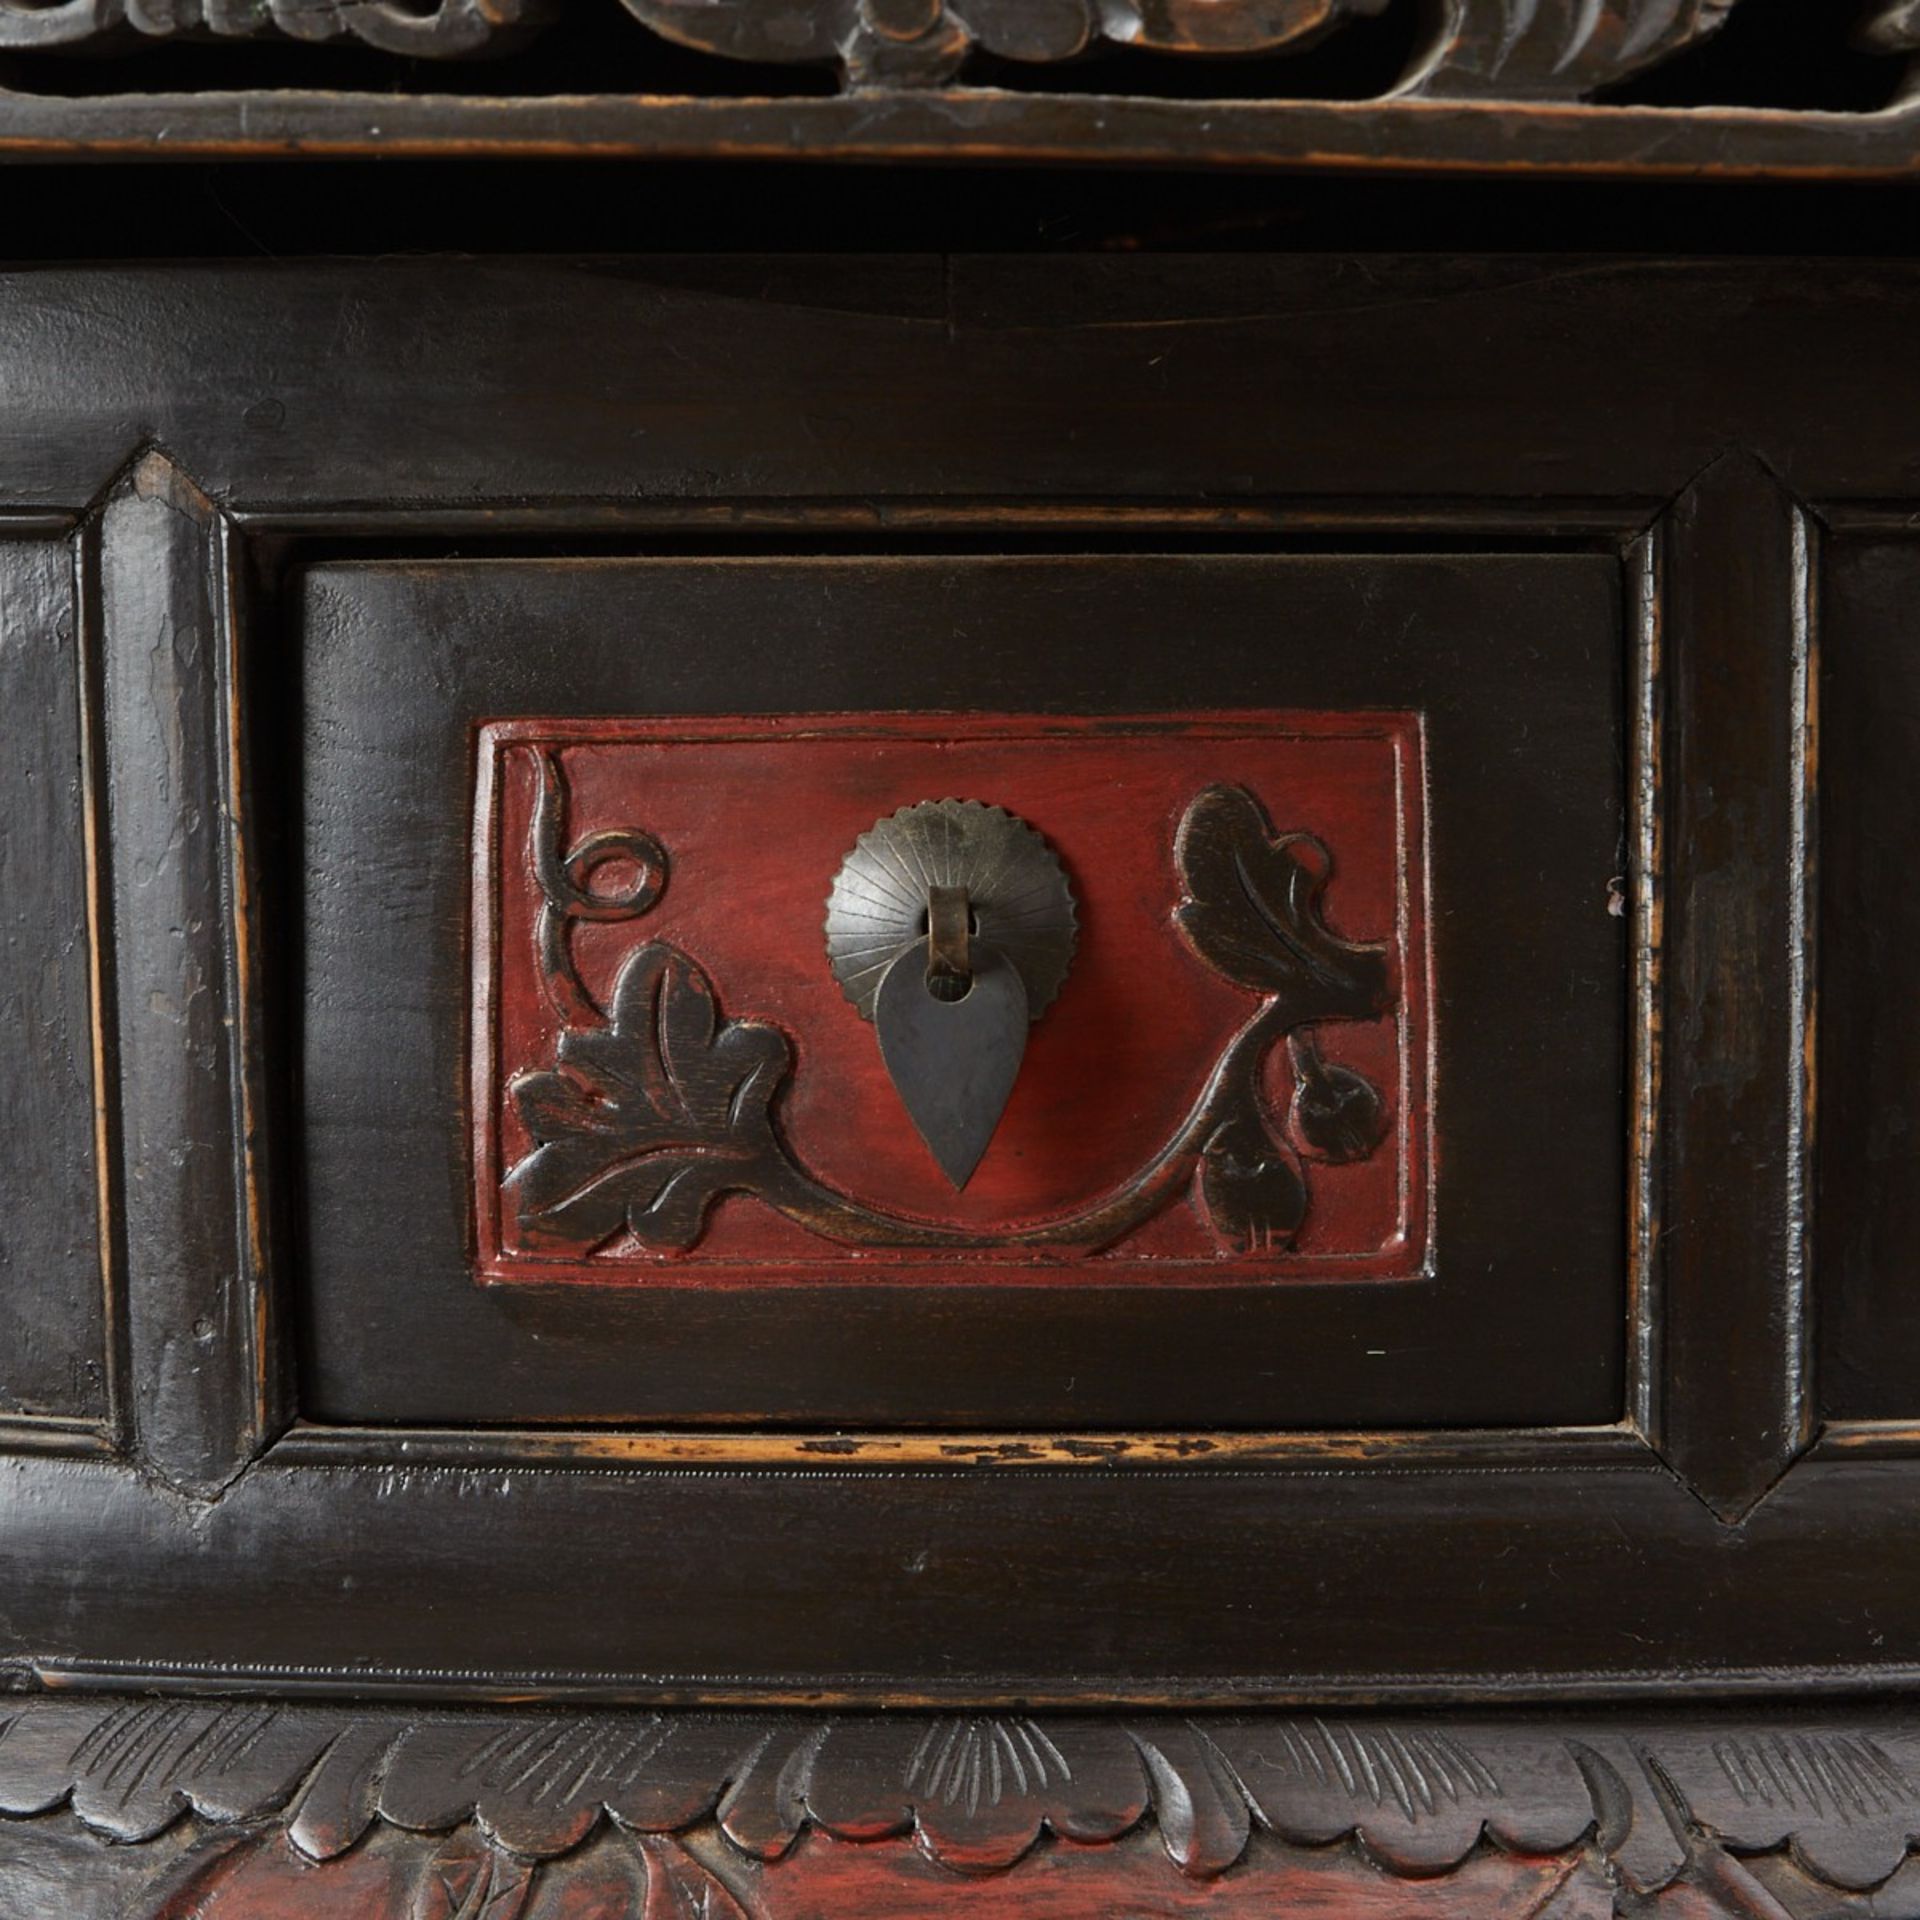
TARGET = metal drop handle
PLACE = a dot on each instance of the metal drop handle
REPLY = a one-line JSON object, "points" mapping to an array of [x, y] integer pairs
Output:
{"points": [[951, 926]]}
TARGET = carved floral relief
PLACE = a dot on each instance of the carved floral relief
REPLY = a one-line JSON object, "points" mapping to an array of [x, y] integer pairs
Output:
{"points": [[1230, 1085]]}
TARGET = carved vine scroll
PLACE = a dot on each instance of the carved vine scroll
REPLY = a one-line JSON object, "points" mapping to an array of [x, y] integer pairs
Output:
{"points": [[1504, 49], [658, 1104], [1507, 48]]}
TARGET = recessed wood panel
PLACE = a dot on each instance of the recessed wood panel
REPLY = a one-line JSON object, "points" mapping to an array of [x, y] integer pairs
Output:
{"points": [[52, 1337], [1511, 671], [1867, 1215]]}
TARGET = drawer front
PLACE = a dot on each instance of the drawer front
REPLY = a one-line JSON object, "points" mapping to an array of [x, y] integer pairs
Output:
{"points": [[1154, 1233], [1360, 1238]]}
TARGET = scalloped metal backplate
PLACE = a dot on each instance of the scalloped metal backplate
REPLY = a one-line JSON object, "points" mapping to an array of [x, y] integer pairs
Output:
{"points": [[1022, 903]]}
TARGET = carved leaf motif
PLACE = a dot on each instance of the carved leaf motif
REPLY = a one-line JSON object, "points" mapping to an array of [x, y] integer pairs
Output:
{"points": [[643, 1123], [1421, 1797], [1203, 1808], [1027, 29], [1556, 49], [977, 1791], [237, 1874], [1849, 1799], [1252, 911], [134, 1769], [66, 24], [536, 1784], [812, 33], [469, 1804]]}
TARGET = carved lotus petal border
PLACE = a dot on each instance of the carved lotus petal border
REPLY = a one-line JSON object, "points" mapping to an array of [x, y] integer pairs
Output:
{"points": [[978, 1793]]}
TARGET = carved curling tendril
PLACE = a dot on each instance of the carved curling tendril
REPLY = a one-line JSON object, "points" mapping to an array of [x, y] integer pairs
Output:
{"points": [[569, 895]]}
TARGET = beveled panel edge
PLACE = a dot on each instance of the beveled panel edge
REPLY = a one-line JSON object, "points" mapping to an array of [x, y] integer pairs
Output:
{"points": [[1723, 1319], [1562, 1582], [565, 1691], [57, 1436], [177, 1017], [1403, 136]]}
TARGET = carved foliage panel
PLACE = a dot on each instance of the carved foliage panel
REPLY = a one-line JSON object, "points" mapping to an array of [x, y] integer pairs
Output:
{"points": [[1229, 1082], [1512, 49]]}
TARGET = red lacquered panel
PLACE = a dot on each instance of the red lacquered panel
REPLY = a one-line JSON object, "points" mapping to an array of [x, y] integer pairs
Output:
{"points": [[669, 1085]]}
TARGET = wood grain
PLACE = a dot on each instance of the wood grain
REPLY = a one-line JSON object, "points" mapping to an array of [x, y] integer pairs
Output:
{"points": [[53, 1342], [1391, 140], [1517, 661], [186, 1187], [1731, 1313], [927, 485]]}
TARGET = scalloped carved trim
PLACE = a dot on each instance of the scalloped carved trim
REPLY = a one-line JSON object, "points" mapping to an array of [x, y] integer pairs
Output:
{"points": [[616, 1813]]}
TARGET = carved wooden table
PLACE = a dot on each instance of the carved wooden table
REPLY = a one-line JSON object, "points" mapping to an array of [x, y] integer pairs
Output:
{"points": [[932, 1082]]}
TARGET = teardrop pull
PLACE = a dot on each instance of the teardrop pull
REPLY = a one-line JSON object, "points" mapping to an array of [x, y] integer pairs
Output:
{"points": [[951, 927], [953, 1061]]}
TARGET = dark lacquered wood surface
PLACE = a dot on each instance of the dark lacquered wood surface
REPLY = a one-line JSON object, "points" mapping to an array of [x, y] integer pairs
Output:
{"points": [[218, 443]]}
